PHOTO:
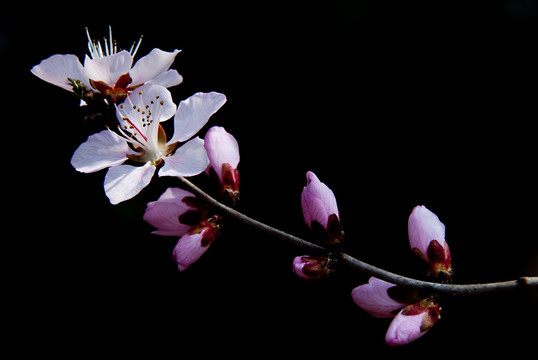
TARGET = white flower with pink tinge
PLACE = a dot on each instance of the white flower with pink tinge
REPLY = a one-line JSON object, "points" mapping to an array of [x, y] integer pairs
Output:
{"points": [[141, 139], [109, 71]]}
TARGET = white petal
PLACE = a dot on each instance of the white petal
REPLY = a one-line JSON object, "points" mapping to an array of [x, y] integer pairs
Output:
{"points": [[125, 181], [100, 151], [193, 113], [152, 65], [58, 68], [109, 68], [168, 78], [189, 160]]}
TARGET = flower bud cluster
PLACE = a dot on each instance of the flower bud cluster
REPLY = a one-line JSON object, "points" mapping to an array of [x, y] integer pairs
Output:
{"points": [[322, 216], [413, 313]]}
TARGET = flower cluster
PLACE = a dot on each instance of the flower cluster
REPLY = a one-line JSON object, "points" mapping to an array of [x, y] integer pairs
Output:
{"points": [[138, 145], [178, 212], [413, 313]]}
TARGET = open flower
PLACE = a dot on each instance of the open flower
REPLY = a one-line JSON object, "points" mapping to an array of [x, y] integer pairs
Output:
{"points": [[319, 208], [427, 240], [223, 152], [142, 139], [108, 71]]}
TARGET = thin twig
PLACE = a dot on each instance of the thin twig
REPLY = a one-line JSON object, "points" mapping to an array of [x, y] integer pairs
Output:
{"points": [[526, 283]]}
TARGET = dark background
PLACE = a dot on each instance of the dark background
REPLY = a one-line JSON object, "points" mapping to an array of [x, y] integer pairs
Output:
{"points": [[391, 104]]}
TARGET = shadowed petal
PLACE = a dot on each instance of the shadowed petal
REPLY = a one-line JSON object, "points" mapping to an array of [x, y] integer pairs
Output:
{"points": [[125, 181], [189, 249], [165, 213], [374, 298], [108, 69]]}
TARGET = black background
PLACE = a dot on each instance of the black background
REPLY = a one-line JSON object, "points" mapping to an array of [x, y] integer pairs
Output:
{"points": [[391, 104]]}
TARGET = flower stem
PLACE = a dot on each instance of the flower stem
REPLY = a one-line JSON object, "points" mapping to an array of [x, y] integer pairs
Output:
{"points": [[523, 283]]}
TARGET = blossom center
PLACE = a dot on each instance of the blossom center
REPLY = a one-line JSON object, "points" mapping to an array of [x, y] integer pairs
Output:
{"points": [[138, 127]]}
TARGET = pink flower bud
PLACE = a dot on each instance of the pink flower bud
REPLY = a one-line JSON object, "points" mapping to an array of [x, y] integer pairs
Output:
{"points": [[195, 243], [311, 267], [223, 152], [375, 298], [175, 212], [413, 322], [427, 239], [319, 208]]}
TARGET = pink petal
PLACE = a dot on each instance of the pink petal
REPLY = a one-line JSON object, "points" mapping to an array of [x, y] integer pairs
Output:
{"points": [[165, 212], [125, 181], [221, 148], [318, 201], [189, 249], [57, 69], [423, 227], [374, 298], [149, 67], [193, 113], [189, 160], [100, 151], [404, 329]]}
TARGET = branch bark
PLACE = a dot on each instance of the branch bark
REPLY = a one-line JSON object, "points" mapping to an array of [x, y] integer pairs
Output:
{"points": [[523, 283]]}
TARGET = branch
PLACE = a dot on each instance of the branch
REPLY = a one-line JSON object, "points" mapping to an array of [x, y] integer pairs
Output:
{"points": [[526, 283]]}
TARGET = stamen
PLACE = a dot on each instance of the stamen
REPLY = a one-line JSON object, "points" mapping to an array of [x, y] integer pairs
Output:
{"points": [[111, 41], [138, 131], [106, 47], [137, 46], [110, 46], [91, 45]]}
